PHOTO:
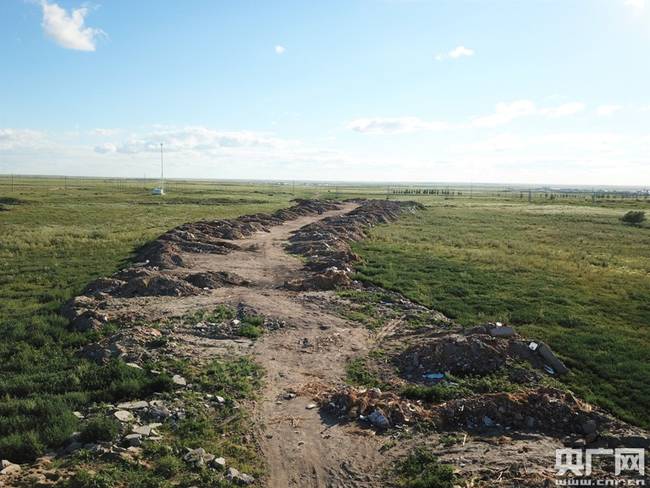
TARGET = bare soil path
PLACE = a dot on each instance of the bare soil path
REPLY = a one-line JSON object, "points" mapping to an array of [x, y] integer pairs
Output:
{"points": [[301, 448]]}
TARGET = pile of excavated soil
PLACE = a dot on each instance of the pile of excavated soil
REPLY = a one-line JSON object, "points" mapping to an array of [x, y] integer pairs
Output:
{"points": [[326, 243], [380, 409], [208, 236], [547, 410], [462, 354]]}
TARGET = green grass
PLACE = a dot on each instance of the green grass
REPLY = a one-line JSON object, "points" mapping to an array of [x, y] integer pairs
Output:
{"points": [[54, 241], [421, 469], [571, 275]]}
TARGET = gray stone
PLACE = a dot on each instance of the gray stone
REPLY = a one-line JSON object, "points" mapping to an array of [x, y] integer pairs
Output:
{"points": [[218, 463], [124, 416], [198, 457], [179, 380], [139, 405], [143, 430], [502, 332], [133, 440]]}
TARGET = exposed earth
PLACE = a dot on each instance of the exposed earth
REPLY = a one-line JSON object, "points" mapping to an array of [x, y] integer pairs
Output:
{"points": [[312, 428]]}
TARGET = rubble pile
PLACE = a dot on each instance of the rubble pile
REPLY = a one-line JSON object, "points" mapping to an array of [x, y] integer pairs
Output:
{"points": [[381, 409], [208, 236], [547, 410], [326, 243], [478, 351], [157, 271]]}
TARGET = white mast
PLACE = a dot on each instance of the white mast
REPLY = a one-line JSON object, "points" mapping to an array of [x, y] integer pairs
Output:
{"points": [[162, 177]]}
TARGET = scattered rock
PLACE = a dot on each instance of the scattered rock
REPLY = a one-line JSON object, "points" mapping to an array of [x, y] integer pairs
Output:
{"points": [[179, 380], [124, 416], [218, 463], [138, 405], [198, 457], [9, 468], [134, 440], [235, 476]]}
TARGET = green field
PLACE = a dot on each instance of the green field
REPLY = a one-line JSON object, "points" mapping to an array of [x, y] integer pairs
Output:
{"points": [[571, 275], [560, 269], [56, 237]]}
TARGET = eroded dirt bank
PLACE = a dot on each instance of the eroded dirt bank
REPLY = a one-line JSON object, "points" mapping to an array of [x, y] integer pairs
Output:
{"points": [[312, 428]]}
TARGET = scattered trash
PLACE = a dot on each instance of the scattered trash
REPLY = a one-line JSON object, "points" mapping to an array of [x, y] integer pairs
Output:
{"points": [[434, 377]]}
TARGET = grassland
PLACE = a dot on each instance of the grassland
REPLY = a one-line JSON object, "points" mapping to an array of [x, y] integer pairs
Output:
{"points": [[54, 240], [571, 275], [560, 269]]}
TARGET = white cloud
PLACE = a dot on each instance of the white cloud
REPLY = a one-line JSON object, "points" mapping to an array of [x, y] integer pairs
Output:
{"points": [[106, 148], [280, 49], [460, 51], [394, 125], [635, 4], [104, 132], [563, 110], [68, 30], [192, 139], [457, 52], [20, 138], [605, 110], [504, 113]]}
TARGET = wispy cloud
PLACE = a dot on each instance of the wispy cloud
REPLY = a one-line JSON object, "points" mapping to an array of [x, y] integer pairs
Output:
{"points": [[280, 49], [68, 30], [563, 110], [192, 139], [457, 52], [605, 110], [635, 4], [504, 113], [20, 138], [394, 125]]}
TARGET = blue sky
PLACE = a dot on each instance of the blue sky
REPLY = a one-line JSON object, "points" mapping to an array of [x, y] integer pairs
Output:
{"points": [[383, 90]]}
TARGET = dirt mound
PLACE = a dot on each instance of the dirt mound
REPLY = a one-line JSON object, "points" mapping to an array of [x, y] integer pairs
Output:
{"points": [[326, 243], [547, 410], [380, 409], [216, 279], [208, 236], [473, 353]]}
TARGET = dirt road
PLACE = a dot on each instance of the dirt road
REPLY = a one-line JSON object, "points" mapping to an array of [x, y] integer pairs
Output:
{"points": [[301, 449]]}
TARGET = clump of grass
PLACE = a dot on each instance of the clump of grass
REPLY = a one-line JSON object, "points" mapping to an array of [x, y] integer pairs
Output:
{"points": [[251, 326], [434, 393], [168, 466], [99, 429], [359, 373], [634, 217], [421, 469], [250, 331]]}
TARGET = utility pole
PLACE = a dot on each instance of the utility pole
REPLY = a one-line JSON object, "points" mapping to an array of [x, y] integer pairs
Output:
{"points": [[162, 175], [530, 196]]}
